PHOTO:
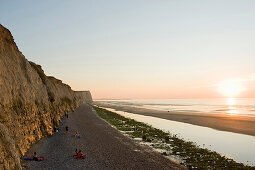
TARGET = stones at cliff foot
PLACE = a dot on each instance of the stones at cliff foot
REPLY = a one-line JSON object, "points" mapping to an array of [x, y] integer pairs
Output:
{"points": [[31, 103]]}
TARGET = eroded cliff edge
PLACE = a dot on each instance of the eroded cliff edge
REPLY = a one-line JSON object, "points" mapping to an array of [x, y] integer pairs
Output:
{"points": [[31, 103]]}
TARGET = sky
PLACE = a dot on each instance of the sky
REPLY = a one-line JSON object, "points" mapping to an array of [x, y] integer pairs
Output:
{"points": [[140, 49]]}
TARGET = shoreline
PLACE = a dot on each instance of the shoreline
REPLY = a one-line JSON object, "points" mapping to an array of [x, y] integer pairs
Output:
{"points": [[236, 124], [187, 152]]}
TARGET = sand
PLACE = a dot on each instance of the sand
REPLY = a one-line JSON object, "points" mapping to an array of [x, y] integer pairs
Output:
{"points": [[230, 123], [104, 146]]}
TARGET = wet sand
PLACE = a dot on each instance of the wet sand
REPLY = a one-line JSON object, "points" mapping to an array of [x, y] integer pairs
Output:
{"points": [[230, 123], [104, 147]]}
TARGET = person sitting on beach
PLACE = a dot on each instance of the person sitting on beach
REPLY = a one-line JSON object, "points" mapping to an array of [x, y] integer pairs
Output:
{"points": [[76, 135], [79, 155], [36, 158]]}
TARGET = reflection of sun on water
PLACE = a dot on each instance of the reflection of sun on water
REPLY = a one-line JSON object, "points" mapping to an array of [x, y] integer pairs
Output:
{"points": [[231, 109], [230, 89]]}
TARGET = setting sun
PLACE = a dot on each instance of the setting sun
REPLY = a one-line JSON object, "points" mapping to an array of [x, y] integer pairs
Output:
{"points": [[231, 88]]}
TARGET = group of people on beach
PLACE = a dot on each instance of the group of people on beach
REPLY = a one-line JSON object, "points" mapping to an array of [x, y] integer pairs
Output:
{"points": [[78, 154], [76, 135]]}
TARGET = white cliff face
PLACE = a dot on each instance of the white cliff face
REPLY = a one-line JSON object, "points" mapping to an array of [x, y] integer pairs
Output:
{"points": [[31, 103]]}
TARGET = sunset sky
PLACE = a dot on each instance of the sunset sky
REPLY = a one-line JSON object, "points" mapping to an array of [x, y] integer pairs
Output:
{"points": [[140, 49]]}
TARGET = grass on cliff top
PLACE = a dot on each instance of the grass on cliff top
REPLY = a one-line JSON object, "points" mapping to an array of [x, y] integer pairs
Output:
{"points": [[192, 155]]}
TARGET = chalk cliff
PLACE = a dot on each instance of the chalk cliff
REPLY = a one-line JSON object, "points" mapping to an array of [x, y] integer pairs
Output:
{"points": [[31, 103]]}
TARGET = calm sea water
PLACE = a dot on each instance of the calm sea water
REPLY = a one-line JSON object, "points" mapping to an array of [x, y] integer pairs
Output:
{"points": [[229, 106]]}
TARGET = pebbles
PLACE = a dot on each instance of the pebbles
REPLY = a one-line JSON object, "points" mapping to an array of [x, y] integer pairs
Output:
{"points": [[104, 147]]}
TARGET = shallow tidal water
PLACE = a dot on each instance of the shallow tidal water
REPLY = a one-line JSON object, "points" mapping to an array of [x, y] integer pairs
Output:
{"points": [[233, 145]]}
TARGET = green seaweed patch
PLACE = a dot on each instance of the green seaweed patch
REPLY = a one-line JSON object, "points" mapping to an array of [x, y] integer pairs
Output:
{"points": [[193, 156]]}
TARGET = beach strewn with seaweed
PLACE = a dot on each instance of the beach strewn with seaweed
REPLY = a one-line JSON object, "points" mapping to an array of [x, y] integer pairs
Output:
{"points": [[191, 155]]}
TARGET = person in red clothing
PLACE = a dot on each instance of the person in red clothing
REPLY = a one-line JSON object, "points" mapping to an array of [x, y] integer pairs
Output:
{"points": [[79, 155]]}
